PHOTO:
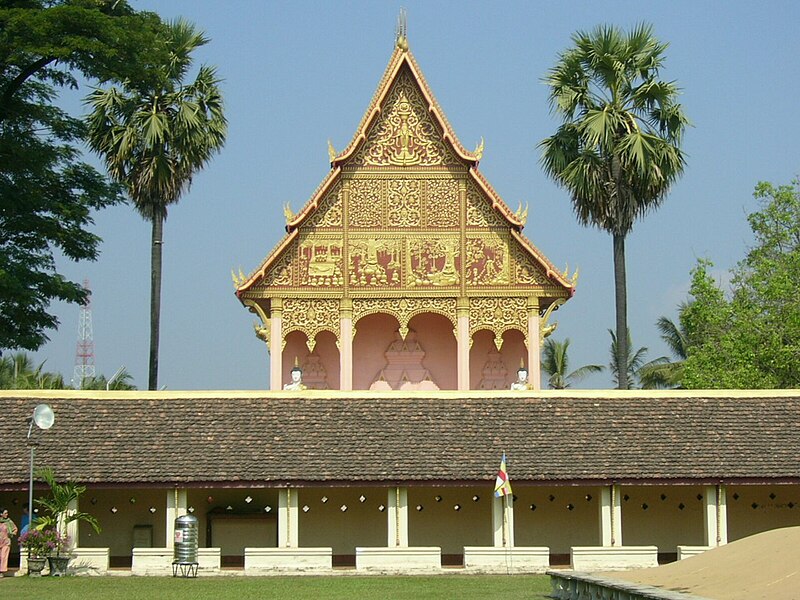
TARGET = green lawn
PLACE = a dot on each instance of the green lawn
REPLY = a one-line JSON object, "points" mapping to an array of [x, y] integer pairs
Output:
{"points": [[460, 587]]}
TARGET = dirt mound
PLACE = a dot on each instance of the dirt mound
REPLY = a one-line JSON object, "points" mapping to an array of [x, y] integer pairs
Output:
{"points": [[765, 565]]}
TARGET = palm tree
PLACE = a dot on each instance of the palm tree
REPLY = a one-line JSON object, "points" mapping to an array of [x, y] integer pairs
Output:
{"points": [[670, 373], [635, 364], [617, 151], [154, 137], [123, 381], [18, 372], [555, 363]]}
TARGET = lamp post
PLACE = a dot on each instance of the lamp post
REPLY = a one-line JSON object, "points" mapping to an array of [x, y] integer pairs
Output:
{"points": [[43, 417]]}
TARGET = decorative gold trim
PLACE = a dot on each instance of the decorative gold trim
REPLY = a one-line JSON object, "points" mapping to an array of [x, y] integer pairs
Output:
{"points": [[498, 315], [404, 310]]}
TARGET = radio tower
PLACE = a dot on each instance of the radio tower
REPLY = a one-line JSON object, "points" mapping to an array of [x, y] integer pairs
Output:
{"points": [[84, 349]]}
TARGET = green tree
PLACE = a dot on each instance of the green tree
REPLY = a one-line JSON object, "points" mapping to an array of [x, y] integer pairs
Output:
{"points": [[52, 40], [153, 139], [617, 151], [751, 338], [635, 365], [555, 363], [47, 194], [668, 374]]}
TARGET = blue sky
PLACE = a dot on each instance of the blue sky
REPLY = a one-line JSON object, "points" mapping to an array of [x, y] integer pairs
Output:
{"points": [[297, 74]]}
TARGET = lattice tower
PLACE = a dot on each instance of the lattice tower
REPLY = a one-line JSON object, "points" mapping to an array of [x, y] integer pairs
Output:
{"points": [[84, 349]]}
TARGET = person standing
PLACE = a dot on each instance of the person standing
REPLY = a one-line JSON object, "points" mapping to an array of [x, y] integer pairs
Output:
{"points": [[25, 521], [7, 529]]}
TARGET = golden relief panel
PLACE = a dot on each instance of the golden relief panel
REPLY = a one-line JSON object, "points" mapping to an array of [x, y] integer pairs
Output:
{"points": [[310, 317], [479, 210], [329, 212], [320, 262], [405, 202], [433, 262], [404, 309], [367, 205], [404, 134], [526, 272], [487, 260], [498, 315], [441, 206], [281, 273], [375, 262]]}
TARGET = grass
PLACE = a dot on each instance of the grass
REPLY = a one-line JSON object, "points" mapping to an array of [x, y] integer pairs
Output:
{"points": [[461, 587]]}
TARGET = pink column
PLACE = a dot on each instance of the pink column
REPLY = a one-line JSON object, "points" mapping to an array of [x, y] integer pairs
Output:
{"points": [[346, 344], [534, 356], [276, 344], [462, 341]]}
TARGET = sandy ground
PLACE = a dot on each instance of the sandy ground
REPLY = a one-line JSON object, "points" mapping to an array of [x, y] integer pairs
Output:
{"points": [[766, 565]]}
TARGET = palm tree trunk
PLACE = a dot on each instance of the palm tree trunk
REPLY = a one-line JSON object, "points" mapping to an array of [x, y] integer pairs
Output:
{"points": [[621, 303], [155, 297]]}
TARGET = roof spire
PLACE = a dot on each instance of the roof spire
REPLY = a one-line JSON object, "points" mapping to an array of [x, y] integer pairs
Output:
{"points": [[401, 33]]}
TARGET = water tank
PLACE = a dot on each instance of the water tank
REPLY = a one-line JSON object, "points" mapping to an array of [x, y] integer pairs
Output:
{"points": [[186, 539]]}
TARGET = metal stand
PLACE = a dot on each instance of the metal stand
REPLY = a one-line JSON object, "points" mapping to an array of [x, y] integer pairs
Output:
{"points": [[184, 569]]}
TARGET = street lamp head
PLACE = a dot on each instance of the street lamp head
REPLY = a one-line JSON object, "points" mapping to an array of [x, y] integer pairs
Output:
{"points": [[43, 416]]}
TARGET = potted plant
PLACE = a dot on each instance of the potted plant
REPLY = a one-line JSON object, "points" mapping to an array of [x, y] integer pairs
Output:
{"points": [[57, 515], [40, 544]]}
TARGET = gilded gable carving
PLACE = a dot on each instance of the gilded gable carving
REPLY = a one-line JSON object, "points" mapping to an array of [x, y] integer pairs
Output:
{"points": [[479, 210], [320, 261], [526, 272], [281, 272], [433, 261], [367, 205], [405, 202], [375, 262], [487, 260], [442, 206], [329, 212], [404, 134]]}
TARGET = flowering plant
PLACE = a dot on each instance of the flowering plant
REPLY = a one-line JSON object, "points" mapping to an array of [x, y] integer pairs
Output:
{"points": [[44, 542]]}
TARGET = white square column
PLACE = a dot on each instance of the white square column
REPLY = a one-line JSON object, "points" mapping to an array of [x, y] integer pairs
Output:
{"points": [[397, 517], [288, 518], [176, 507], [610, 516], [715, 515]]}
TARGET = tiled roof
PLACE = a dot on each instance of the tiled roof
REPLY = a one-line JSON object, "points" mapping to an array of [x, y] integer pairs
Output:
{"points": [[229, 438]]}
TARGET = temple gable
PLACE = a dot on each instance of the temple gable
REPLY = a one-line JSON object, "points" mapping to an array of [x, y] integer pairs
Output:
{"points": [[405, 134]]}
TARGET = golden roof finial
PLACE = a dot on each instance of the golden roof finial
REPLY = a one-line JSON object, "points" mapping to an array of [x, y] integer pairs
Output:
{"points": [[331, 151], [479, 150], [401, 33], [287, 212], [522, 213]]}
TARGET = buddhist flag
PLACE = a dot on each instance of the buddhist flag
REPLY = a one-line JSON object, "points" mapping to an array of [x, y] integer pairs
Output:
{"points": [[502, 485]]}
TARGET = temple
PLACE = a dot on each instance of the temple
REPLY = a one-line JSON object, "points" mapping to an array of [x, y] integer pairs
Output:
{"points": [[397, 310], [404, 261]]}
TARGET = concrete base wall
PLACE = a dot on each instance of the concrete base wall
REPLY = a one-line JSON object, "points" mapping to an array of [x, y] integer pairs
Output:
{"points": [[89, 561], [490, 559], [414, 559], [613, 558], [687, 551], [208, 561], [282, 560], [152, 561]]}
